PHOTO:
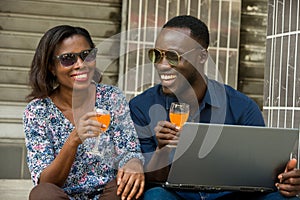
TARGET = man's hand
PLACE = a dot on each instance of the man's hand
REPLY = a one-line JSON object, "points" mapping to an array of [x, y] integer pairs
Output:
{"points": [[289, 180], [166, 133]]}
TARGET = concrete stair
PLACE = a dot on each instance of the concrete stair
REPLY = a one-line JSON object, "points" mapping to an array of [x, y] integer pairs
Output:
{"points": [[15, 189]]}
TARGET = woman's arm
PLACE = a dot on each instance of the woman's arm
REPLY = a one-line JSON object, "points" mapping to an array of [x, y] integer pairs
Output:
{"points": [[58, 171]]}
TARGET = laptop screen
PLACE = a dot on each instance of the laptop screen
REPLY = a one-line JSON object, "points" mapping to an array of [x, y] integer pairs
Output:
{"points": [[229, 157]]}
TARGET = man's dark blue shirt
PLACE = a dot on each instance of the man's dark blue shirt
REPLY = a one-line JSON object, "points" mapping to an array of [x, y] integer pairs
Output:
{"points": [[221, 104]]}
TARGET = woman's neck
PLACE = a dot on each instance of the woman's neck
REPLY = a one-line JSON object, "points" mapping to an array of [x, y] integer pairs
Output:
{"points": [[74, 104], [62, 99]]}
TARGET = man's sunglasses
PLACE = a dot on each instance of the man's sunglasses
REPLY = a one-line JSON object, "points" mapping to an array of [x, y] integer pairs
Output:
{"points": [[173, 57], [69, 59]]}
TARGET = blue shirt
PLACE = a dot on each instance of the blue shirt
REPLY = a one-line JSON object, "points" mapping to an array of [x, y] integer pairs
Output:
{"points": [[221, 104]]}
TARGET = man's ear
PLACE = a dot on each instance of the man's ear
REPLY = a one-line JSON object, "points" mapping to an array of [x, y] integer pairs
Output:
{"points": [[203, 56]]}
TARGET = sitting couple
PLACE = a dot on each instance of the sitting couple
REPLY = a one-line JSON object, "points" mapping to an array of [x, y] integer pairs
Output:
{"points": [[58, 121]]}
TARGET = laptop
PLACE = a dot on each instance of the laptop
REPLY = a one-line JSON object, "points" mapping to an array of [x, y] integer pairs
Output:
{"points": [[217, 157]]}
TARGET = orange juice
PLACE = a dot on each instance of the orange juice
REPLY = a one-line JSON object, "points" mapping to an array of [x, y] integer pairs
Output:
{"points": [[104, 119], [178, 118]]}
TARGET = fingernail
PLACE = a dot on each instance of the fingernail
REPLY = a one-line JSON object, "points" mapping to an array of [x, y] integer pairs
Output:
{"points": [[118, 182]]}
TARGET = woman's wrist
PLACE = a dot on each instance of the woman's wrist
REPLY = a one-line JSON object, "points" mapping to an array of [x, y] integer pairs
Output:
{"points": [[73, 139]]}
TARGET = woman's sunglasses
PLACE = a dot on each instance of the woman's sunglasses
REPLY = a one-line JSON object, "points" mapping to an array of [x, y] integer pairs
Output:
{"points": [[69, 59], [173, 57]]}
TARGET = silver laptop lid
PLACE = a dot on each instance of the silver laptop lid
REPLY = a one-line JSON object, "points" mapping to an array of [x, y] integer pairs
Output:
{"points": [[228, 157]]}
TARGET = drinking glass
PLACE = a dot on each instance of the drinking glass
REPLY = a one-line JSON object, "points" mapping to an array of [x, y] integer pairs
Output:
{"points": [[102, 116], [179, 113]]}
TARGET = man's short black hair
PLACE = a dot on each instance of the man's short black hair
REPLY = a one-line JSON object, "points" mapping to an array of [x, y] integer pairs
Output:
{"points": [[199, 30]]}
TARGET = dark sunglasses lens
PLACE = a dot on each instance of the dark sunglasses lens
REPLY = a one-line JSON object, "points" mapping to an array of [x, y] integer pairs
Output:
{"points": [[154, 55], [68, 59], [172, 57], [89, 55]]}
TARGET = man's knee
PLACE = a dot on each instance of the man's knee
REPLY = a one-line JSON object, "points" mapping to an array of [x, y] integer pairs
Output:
{"points": [[160, 193]]}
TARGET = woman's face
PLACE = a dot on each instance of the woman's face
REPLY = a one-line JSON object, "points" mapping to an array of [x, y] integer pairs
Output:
{"points": [[80, 74]]}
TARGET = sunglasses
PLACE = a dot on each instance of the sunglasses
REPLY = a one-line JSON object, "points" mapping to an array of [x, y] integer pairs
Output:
{"points": [[69, 59], [173, 57]]}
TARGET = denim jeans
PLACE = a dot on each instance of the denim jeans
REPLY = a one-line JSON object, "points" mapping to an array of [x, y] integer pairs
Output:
{"points": [[160, 193]]}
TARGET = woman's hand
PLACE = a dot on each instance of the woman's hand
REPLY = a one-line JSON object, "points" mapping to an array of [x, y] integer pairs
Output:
{"points": [[87, 127], [131, 180], [289, 180]]}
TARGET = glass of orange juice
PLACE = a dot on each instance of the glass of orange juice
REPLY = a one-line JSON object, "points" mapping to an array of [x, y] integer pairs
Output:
{"points": [[179, 113], [102, 116]]}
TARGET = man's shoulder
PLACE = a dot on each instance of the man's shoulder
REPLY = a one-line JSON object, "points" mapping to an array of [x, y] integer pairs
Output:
{"points": [[147, 95], [234, 97], [230, 91], [244, 109]]}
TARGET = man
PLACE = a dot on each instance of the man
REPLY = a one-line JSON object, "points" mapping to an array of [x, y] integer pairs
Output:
{"points": [[179, 57]]}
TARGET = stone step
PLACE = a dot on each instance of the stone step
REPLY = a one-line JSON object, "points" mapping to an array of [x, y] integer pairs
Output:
{"points": [[250, 69], [16, 75], [40, 24], [252, 86], [11, 119], [13, 92], [15, 189], [79, 9], [20, 40]]}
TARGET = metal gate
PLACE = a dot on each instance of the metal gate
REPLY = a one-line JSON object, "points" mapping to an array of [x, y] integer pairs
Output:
{"points": [[221, 16]]}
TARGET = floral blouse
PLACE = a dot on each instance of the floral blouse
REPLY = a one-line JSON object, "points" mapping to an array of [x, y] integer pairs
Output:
{"points": [[46, 130]]}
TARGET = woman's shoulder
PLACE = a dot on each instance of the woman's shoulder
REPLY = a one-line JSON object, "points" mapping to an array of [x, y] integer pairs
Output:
{"points": [[39, 105], [105, 89]]}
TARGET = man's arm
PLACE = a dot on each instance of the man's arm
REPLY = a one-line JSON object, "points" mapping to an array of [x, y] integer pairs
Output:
{"points": [[157, 160]]}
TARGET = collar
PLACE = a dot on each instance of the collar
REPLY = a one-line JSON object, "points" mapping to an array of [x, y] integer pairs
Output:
{"points": [[168, 99], [211, 96]]}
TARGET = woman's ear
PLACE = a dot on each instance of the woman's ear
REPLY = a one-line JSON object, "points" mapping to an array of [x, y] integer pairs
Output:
{"points": [[52, 70]]}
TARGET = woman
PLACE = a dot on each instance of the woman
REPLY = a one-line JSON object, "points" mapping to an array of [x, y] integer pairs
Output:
{"points": [[58, 119]]}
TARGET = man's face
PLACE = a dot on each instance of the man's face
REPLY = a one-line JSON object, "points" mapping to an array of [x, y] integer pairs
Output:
{"points": [[177, 79]]}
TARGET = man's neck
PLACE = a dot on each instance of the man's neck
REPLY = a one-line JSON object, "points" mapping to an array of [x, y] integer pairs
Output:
{"points": [[194, 95]]}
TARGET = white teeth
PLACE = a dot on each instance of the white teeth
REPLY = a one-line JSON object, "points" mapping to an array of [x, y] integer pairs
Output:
{"points": [[167, 77], [81, 76]]}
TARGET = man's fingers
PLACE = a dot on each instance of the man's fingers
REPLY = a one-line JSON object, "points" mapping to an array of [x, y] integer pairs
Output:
{"points": [[164, 136], [166, 124], [287, 190], [292, 164]]}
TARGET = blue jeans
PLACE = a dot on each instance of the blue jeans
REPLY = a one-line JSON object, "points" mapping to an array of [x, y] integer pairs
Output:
{"points": [[160, 193]]}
